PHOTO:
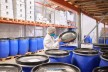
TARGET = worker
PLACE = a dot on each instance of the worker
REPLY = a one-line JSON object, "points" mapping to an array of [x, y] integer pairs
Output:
{"points": [[49, 41]]}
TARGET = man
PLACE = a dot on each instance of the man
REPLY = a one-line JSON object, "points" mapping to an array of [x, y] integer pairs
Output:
{"points": [[49, 42]]}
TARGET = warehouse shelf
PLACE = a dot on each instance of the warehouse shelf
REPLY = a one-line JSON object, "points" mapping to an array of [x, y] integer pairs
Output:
{"points": [[33, 23]]}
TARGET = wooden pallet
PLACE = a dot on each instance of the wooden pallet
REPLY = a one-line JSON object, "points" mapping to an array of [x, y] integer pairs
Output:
{"points": [[40, 51], [8, 58]]}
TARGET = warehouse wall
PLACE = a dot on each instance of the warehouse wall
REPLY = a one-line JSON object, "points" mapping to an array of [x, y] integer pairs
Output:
{"points": [[87, 25]]}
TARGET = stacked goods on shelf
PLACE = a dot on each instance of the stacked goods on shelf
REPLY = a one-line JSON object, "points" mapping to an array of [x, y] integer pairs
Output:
{"points": [[30, 10], [63, 20], [6, 8], [55, 17], [19, 9], [70, 18]]}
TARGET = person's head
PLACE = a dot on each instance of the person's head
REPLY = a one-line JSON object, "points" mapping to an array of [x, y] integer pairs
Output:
{"points": [[51, 31]]}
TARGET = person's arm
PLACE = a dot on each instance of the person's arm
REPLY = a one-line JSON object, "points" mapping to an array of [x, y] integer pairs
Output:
{"points": [[48, 44]]}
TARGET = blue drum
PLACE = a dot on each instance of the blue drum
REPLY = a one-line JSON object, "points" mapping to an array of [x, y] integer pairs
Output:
{"points": [[104, 60], [4, 47], [29, 61], [10, 68], [13, 47], [86, 59], [23, 46], [40, 43], [55, 67], [56, 55], [33, 44], [70, 49], [101, 69]]}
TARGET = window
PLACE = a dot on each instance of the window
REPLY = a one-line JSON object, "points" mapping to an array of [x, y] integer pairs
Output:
{"points": [[30, 2], [30, 7], [30, 16], [20, 5], [20, 10], [30, 12], [7, 13], [6, 7], [6, 1], [20, 15]]}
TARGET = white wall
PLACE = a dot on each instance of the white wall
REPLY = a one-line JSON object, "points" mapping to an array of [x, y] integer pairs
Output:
{"points": [[87, 25]]}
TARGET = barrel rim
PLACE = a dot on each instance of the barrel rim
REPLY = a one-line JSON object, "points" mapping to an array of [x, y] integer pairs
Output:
{"points": [[31, 63], [68, 32], [63, 54], [34, 69], [101, 45], [104, 57], [85, 53], [99, 68], [16, 65]]}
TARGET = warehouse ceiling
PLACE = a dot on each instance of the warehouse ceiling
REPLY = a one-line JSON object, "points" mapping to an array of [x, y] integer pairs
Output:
{"points": [[95, 8]]}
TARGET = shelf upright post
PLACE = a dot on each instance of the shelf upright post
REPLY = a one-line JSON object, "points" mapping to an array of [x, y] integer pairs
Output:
{"points": [[104, 34]]}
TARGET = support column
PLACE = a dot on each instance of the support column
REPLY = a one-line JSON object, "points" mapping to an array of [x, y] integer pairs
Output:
{"points": [[97, 32], [78, 23], [104, 34]]}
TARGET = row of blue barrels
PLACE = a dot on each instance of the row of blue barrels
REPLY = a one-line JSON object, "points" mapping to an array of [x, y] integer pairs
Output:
{"points": [[12, 47], [101, 40]]}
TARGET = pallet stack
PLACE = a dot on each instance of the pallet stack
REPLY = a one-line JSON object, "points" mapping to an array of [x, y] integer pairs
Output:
{"points": [[30, 10], [19, 9], [6, 8]]}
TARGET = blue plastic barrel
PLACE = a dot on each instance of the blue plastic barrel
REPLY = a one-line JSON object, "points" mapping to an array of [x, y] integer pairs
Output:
{"points": [[70, 49], [104, 60], [56, 55], [23, 46], [32, 44], [13, 47], [101, 40], [40, 43], [86, 59], [4, 48]]}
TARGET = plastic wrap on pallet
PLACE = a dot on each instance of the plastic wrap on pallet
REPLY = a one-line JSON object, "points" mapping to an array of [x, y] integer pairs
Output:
{"points": [[6, 9], [19, 9], [30, 17]]}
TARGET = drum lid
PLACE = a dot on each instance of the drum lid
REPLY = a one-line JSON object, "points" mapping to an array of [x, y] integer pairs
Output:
{"points": [[101, 45], [101, 69], [68, 36], [55, 67], [32, 59], [85, 51], [10, 68], [56, 52], [105, 55], [104, 50]]}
